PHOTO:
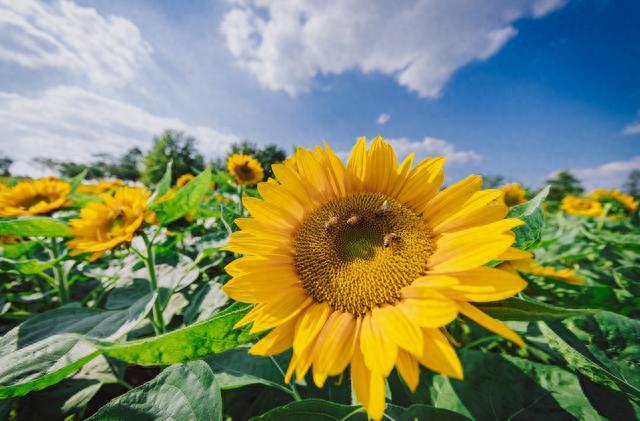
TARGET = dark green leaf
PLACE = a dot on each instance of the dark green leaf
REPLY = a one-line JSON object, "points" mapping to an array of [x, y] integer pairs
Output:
{"points": [[421, 412], [34, 227], [314, 409], [529, 234], [528, 309], [181, 392], [75, 182]]}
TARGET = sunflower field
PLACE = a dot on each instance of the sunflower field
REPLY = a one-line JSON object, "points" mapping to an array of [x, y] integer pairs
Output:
{"points": [[363, 289]]}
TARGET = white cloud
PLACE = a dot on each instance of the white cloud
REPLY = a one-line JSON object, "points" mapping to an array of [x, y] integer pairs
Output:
{"points": [[383, 118], [63, 35], [607, 176], [632, 129], [70, 123], [427, 147], [286, 44]]}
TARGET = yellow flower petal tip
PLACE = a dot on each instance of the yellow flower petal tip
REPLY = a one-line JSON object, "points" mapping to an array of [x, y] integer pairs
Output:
{"points": [[360, 264]]}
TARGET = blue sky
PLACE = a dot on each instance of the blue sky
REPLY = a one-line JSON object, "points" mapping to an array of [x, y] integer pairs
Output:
{"points": [[519, 88]]}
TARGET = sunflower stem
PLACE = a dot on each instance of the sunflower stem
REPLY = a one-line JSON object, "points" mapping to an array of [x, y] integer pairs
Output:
{"points": [[240, 189], [58, 274], [150, 263]]}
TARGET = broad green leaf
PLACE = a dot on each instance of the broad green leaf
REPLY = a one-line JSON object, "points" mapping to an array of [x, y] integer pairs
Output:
{"points": [[51, 346], [628, 277], [14, 251], [421, 412], [163, 185], [528, 309], [314, 409], [198, 340], [34, 227], [236, 368], [531, 212], [186, 199], [497, 387], [181, 392], [26, 267], [604, 348]]}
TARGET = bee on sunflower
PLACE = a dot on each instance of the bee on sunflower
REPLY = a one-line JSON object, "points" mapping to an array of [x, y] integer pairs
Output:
{"points": [[246, 170], [514, 194], [114, 220], [34, 197], [578, 206], [364, 265]]}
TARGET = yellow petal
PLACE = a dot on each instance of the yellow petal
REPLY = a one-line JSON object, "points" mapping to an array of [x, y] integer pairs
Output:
{"points": [[276, 195], [310, 323], [261, 286], [402, 330], [268, 213], [336, 351], [369, 387], [250, 264], [278, 340], [438, 354], [485, 284], [357, 160], [408, 368], [482, 208], [513, 253], [489, 322], [378, 350], [427, 308], [273, 313], [422, 183], [451, 199]]}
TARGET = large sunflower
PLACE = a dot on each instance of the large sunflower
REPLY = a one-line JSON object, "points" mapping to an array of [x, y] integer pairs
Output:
{"points": [[109, 223], [365, 264], [246, 169], [579, 206], [34, 197]]}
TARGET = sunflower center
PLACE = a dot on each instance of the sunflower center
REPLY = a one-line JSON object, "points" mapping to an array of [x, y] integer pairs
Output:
{"points": [[358, 252], [244, 171], [29, 202]]}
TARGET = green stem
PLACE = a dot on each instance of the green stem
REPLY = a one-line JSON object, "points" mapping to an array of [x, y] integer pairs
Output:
{"points": [[150, 263], [58, 273]]}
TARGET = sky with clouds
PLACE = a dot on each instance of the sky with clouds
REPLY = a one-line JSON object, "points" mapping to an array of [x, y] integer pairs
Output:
{"points": [[521, 88]]}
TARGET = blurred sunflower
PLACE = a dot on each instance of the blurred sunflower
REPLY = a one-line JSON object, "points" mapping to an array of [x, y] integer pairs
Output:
{"points": [[246, 169], [101, 187], [624, 199], [184, 179], [365, 264], [8, 239], [579, 206], [34, 197], [109, 223], [528, 265], [514, 194]]}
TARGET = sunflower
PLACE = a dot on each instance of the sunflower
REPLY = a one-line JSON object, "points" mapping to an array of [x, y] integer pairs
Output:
{"points": [[624, 199], [109, 223], [579, 206], [184, 179], [101, 187], [514, 194], [530, 266], [34, 197], [246, 169], [365, 264]]}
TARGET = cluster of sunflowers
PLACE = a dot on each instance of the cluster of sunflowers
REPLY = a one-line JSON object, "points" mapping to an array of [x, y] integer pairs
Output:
{"points": [[600, 203], [363, 265]]}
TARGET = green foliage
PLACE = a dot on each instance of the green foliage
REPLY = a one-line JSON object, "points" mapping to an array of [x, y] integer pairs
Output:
{"points": [[186, 199], [562, 184], [34, 227], [529, 234], [175, 147], [5, 164], [632, 185]]}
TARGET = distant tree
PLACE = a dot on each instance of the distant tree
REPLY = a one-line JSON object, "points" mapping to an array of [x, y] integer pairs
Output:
{"points": [[69, 169], [632, 185], [562, 184], [127, 167], [5, 164], [173, 146], [492, 181]]}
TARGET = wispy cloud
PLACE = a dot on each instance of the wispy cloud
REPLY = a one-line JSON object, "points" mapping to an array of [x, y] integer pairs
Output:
{"points": [[286, 44], [611, 175], [631, 129], [62, 35], [383, 118], [70, 123]]}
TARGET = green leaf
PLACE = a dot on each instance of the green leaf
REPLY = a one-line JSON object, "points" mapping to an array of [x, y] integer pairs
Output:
{"points": [[181, 392], [34, 227], [51, 346], [528, 309], [236, 368], [198, 340], [186, 199], [497, 387], [75, 181], [604, 348], [531, 212], [314, 409], [421, 412], [14, 251], [163, 185]]}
